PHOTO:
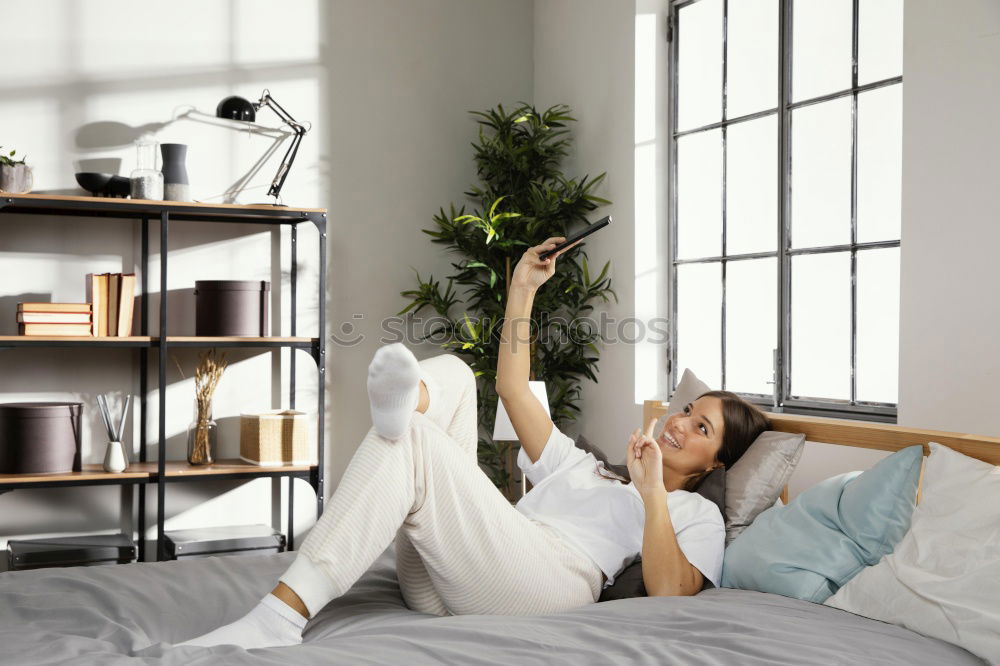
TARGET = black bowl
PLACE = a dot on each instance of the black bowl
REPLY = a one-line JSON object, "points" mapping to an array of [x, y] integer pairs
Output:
{"points": [[95, 183], [119, 186]]}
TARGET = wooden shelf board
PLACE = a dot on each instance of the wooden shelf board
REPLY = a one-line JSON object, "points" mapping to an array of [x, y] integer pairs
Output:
{"points": [[105, 340], [112, 202], [89, 473], [208, 340], [175, 468]]}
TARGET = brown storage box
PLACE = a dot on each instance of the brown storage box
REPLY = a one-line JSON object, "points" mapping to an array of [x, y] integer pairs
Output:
{"points": [[231, 308], [40, 437], [279, 437]]}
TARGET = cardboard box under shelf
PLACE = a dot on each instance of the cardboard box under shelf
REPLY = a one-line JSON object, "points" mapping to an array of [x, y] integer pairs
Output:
{"points": [[229, 540], [279, 437]]}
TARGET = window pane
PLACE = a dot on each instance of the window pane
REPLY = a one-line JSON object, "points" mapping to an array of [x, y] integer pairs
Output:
{"points": [[752, 186], [821, 47], [752, 60], [821, 326], [751, 324], [878, 325], [880, 163], [821, 174], [699, 195], [699, 64], [880, 40], [699, 321]]}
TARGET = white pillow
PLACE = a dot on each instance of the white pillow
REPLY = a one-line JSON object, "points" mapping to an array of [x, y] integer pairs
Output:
{"points": [[943, 579]]}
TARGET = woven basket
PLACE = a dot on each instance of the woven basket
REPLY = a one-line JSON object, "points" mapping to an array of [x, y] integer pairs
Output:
{"points": [[277, 437]]}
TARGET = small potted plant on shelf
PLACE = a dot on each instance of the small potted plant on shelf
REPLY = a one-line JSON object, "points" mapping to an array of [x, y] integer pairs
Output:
{"points": [[16, 177]]}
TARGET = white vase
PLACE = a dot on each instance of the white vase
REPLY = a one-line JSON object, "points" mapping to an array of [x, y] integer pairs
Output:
{"points": [[16, 179], [115, 459]]}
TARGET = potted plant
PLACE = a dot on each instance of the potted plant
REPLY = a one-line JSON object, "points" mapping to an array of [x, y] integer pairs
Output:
{"points": [[16, 177], [522, 198]]}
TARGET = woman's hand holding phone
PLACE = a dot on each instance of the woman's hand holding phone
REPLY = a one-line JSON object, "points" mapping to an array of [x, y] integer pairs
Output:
{"points": [[532, 272]]}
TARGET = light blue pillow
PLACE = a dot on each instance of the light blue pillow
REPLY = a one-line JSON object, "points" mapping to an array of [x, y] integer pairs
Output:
{"points": [[829, 533]]}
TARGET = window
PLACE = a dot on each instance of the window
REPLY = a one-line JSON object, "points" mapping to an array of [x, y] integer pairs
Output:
{"points": [[786, 158]]}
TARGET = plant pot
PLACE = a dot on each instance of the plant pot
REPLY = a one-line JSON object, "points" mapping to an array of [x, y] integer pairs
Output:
{"points": [[16, 179]]}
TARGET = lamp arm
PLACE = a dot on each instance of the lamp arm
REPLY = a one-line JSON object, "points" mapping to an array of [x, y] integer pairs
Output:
{"points": [[286, 165], [293, 149]]}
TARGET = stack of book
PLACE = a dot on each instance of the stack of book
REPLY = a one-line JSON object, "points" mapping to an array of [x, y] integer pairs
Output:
{"points": [[54, 319], [112, 296]]}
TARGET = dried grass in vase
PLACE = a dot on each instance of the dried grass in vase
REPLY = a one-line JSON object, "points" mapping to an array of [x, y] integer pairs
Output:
{"points": [[206, 380]]}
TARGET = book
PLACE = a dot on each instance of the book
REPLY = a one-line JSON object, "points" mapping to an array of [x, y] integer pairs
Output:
{"points": [[53, 317], [54, 307], [114, 287], [54, 329], [97, 290], [126, 306]]}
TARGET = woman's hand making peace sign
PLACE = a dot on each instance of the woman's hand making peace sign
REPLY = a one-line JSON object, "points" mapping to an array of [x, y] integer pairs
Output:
{"points": [[645, 461]]}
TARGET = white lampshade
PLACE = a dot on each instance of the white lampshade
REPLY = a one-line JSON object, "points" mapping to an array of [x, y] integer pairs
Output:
{"points": [[503, 429]]}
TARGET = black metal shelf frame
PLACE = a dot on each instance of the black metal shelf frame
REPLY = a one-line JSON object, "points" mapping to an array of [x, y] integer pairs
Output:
{"points": [[165, 212]]}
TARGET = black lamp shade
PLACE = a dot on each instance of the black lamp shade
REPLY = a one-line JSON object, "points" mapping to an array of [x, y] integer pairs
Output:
{"points": [[236, 108]]}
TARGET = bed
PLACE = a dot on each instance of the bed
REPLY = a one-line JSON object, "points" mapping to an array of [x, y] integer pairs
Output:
{"points": [[134, 613]]}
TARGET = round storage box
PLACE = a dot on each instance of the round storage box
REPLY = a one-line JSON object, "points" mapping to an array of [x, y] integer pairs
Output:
{"points": [[40, 437], [236, 308]]}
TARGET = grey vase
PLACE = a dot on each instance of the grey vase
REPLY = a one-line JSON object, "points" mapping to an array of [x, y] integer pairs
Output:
{"points": [[175, 176]]}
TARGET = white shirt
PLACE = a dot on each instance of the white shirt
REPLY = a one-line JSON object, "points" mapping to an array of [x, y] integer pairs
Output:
{"points": [[605, 518]]}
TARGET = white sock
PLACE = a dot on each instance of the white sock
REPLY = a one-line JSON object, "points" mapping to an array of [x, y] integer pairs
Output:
{"points": [[271, 623], [393, 389]]}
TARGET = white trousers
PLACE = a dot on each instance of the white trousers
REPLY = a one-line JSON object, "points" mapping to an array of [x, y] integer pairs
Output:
{"points": [[461, 547]]}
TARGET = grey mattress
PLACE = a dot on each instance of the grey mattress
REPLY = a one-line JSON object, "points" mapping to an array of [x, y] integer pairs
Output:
{"points": [[132, 613]]}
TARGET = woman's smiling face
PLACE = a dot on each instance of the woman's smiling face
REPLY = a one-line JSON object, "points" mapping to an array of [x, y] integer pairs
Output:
{"points": [[691, 439]]}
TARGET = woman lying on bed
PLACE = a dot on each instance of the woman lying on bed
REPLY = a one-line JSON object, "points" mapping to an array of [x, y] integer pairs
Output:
{"points": [[461, 548]]}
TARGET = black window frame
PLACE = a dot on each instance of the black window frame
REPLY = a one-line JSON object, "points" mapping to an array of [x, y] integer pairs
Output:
{"points": [[781, 400]]}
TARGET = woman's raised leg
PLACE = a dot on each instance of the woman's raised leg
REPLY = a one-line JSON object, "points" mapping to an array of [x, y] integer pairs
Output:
{"points": [[452, 405]]}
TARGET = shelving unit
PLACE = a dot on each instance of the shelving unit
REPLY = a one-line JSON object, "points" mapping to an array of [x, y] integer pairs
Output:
{"points": [[144, 473]]}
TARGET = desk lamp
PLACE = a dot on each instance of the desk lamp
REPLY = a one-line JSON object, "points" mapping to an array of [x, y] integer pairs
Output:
{"points": [[240, 108]]}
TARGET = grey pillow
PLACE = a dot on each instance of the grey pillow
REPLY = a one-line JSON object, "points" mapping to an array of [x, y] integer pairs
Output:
{"points": [[755, 481]]}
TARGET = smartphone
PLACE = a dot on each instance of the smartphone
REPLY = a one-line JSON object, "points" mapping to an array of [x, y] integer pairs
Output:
{"points": [[600, 224]]}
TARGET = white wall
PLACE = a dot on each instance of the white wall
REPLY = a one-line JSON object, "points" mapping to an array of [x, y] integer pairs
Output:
{"points": [[404, 76], [584, 57], [386, 85], [949, 317]]}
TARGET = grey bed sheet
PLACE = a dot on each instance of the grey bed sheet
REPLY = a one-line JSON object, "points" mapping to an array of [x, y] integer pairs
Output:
{"points": [[133, 613]]}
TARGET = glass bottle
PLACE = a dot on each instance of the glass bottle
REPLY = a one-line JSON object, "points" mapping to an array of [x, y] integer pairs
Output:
{"points": [[146, 181], [203, 438]]}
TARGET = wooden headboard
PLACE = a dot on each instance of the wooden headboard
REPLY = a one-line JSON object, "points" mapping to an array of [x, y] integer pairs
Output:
{"points": [[865, 434]]}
